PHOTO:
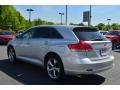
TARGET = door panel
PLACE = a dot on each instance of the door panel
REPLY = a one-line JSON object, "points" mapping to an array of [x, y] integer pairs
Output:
{"points": [[22, 43], [37, 48]]}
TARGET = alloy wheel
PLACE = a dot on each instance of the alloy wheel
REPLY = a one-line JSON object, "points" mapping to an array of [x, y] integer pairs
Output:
{"points": [[11, 55], [53, 68]]}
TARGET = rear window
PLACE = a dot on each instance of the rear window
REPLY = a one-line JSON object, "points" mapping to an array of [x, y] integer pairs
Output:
{"points": [[5, 33], [88, 34]]}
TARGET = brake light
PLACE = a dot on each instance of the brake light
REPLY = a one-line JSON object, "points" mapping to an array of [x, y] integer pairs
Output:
{"points": [[80, 46]]}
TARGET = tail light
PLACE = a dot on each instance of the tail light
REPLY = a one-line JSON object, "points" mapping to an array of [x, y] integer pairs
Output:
{"points": [[80, 46]]}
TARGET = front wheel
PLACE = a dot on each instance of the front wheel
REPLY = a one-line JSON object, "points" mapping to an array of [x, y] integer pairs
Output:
{"points": [[54, 68], [11, 55]]}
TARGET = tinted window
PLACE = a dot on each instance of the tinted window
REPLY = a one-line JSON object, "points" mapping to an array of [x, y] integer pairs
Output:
{"points": [[28, 34], [85, 29], [47, 32], [103, 32], [88, 34]]}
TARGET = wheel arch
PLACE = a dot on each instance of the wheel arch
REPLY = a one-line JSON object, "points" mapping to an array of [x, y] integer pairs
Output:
{"points": [[53, 54]]}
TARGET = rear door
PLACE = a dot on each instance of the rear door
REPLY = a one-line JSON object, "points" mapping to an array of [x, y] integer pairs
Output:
{"points": [[101, 45], [41, 40], [39, 43]]}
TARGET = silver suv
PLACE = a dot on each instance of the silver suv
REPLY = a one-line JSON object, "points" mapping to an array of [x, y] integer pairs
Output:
{"points": [[63, 50]]}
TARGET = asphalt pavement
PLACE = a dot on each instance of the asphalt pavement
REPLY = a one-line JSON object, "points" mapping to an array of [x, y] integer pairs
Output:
{"points": [[27, 74]]}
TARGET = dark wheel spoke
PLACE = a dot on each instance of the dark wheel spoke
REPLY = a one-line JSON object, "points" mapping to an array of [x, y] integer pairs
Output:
{"points": [[53, 68], [11, 55], [54, 73], [57, 69]]}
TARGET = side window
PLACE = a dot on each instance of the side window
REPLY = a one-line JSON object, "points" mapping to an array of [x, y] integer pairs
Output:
{"points": [[40, 33], [28, 34], [47, 32], [53, 33]]}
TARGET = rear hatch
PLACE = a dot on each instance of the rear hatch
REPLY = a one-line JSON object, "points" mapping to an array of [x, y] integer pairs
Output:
{"points": [[101, 46]]}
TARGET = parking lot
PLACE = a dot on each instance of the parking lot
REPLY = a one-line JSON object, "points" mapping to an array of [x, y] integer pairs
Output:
{"points": [[27, 74]]}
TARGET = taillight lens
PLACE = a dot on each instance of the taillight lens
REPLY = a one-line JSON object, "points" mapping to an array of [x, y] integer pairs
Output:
{"points": [[80, 46]]}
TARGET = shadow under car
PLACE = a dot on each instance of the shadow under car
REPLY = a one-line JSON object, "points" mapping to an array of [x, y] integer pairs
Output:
{"points": [[33, 75]]}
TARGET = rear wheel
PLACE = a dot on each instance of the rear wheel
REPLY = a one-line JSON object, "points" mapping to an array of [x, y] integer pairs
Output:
{"points": [[54, 68], [11, 55]]}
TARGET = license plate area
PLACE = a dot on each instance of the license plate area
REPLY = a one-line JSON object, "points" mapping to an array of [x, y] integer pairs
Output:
{"points": [[103, 52]]}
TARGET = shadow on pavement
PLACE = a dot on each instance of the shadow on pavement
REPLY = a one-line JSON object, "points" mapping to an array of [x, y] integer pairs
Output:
{"points": [[118, 50], [33, 75], [4, 45]]}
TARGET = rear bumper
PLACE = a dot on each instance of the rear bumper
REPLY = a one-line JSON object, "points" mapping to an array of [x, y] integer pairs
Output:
{"points": [[91, 68]]}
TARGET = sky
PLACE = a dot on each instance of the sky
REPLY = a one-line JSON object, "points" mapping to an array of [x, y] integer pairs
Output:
{"points": [[100, 13]]}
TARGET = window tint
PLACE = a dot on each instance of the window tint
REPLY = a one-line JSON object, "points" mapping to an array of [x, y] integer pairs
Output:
{"points": [[103, 33], [85, 29], [28, 34], [89, 34], [47, 32]]}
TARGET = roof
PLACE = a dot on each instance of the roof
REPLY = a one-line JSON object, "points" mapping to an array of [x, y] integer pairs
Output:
{"points": [[64, 26]]}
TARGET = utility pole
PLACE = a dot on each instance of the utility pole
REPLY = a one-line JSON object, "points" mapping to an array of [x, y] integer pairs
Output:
{"points": [[108, 23], [89, 22], [61, 16], [30, 10], [66, 14]]}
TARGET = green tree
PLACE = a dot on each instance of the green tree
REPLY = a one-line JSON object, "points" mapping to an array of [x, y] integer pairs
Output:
{"points": [[71, 23], [41, 22], [50, 23], [101, 26], [115, 26], [81, 24], [37, 22], [10, 19]]}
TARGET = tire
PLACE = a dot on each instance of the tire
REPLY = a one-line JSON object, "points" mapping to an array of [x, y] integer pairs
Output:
{"points": [[11, 55], [114, 45], [54, 68]]}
